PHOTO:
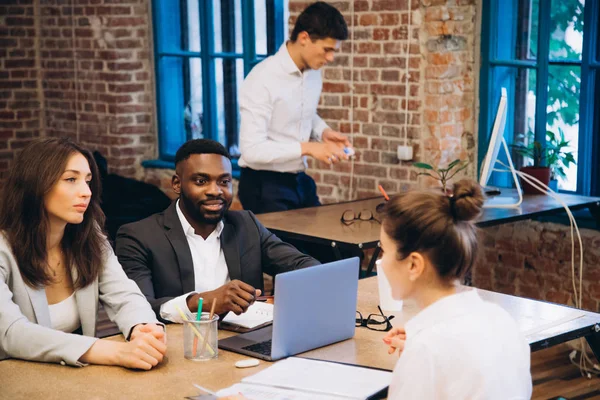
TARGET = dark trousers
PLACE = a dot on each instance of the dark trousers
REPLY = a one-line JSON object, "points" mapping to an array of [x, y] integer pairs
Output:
{"points": [[268, 191]]}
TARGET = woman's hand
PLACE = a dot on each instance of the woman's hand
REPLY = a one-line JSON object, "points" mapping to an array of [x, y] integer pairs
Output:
{"points": [[395, 340], [143, 352], [234, 397], [158, 331]]}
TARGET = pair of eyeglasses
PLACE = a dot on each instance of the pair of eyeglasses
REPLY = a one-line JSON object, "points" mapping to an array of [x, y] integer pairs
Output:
{"points": [[375, 322], [349, 216]]}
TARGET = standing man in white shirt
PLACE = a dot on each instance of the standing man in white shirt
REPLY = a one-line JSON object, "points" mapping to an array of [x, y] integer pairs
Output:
{"points": [[279, 121], [196, 246]]}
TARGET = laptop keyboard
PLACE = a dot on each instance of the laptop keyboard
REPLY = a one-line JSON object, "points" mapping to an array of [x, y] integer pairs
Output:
{"points": [[260, 348]]}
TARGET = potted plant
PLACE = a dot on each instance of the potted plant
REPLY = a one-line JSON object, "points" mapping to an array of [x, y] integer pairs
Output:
{"points": [[548, 161], [558, 159], [443, 174]]}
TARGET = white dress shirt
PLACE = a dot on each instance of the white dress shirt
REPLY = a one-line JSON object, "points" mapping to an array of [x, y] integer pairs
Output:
{"points": [[462, 347], [210, 268], [278, 107], [64, 315]]}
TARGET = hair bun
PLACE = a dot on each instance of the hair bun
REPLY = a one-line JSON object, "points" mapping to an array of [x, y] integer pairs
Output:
{"points": [[467, 200]]}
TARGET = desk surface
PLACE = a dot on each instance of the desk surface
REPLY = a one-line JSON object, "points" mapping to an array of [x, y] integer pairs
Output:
{"points": [[173, 379], [323, 224]]}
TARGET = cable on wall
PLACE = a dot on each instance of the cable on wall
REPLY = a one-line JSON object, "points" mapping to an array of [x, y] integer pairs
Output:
{"points": [[586, 365], [351, 191], [75, 71], [407, 73]]}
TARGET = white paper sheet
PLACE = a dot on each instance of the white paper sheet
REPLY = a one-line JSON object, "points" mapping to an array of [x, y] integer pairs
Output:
{"points": [[257, 392], [321, 377], [257, 314]]}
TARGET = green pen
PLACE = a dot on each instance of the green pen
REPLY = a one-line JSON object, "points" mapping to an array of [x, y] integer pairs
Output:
{"points": [[198, 316], [199, 312]]}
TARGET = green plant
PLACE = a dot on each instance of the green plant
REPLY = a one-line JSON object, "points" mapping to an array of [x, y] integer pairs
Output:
{"points": [[530, 149], [552, 155], [558, 159], [443, 174]]}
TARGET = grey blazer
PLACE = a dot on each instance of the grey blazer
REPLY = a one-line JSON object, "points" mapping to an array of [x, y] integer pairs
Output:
{"points": [[25, 327]]}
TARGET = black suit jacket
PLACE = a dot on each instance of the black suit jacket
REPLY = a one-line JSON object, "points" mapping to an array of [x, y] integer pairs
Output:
{"points": [[154, 252]]}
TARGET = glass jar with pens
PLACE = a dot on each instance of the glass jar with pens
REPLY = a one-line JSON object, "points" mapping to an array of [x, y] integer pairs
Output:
{"points": [[200, 334]]}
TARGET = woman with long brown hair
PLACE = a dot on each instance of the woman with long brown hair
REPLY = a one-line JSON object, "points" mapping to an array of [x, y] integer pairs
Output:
{"points": [[56, 265], [458, 346]]}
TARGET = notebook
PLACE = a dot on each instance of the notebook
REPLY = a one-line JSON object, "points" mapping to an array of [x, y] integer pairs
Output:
{"points": [[258, 315], [306, 379]]}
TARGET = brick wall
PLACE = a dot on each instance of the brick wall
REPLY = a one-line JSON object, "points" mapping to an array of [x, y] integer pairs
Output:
{"points": [[20, 114], [95, 71], [533, 259], [365, 92]]}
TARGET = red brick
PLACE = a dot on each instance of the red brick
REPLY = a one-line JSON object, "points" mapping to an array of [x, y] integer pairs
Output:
{"points": [[389, 19], [371, 129], [324, 190], [381, 34], [18, 21], [390, 5], [370, 75], [368, 48], [390, 130], [392, 90], [399, 173], [336, 87], [387, 62], [368, 19], [370, 156], [389, 104], [361, 5], [334, 114], [345, 127], [360, 142], [390, 75], [366, 183], [331, 179], [360, 61]]}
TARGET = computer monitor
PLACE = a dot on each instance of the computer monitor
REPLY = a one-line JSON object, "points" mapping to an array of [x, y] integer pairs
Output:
{"points": [[487, 166]]}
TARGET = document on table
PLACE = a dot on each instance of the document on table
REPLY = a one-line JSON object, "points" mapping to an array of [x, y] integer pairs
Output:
{"points": [[303, 379], [257, 392], [258, 315]]}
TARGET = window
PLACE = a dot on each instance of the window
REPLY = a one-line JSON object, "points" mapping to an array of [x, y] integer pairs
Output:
{"points": [[545, 53], [204, 49]]}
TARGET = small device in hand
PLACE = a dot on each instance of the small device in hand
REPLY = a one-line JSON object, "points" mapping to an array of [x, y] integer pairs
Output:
{"points": [[349, 151]]}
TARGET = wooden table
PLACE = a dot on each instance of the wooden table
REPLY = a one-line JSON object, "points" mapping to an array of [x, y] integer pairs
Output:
{"points": [[174, 377], [323, 224]]}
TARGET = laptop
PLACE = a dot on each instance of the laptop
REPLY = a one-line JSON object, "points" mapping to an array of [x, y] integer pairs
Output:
{"points": [[314, 307]]}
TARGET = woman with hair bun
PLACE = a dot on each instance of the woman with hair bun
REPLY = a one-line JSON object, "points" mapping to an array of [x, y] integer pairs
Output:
{"points": [[457, 346]]}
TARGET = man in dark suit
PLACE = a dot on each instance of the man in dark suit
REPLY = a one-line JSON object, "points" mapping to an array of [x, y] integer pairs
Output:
{"points": [[197, 248]]}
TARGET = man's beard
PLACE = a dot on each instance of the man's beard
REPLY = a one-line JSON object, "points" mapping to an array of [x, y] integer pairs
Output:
{"points": [[209, 218]]}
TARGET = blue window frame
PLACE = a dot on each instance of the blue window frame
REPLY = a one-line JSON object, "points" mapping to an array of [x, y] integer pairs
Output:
{"points": [[203, 51], [545, 52]]}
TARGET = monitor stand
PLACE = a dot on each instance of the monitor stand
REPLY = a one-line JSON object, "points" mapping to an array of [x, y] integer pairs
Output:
{"points": [[506, 201]]}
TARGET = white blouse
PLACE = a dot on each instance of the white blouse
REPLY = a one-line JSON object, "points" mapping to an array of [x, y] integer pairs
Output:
{"points": [[65, 315], [462, 347]]}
